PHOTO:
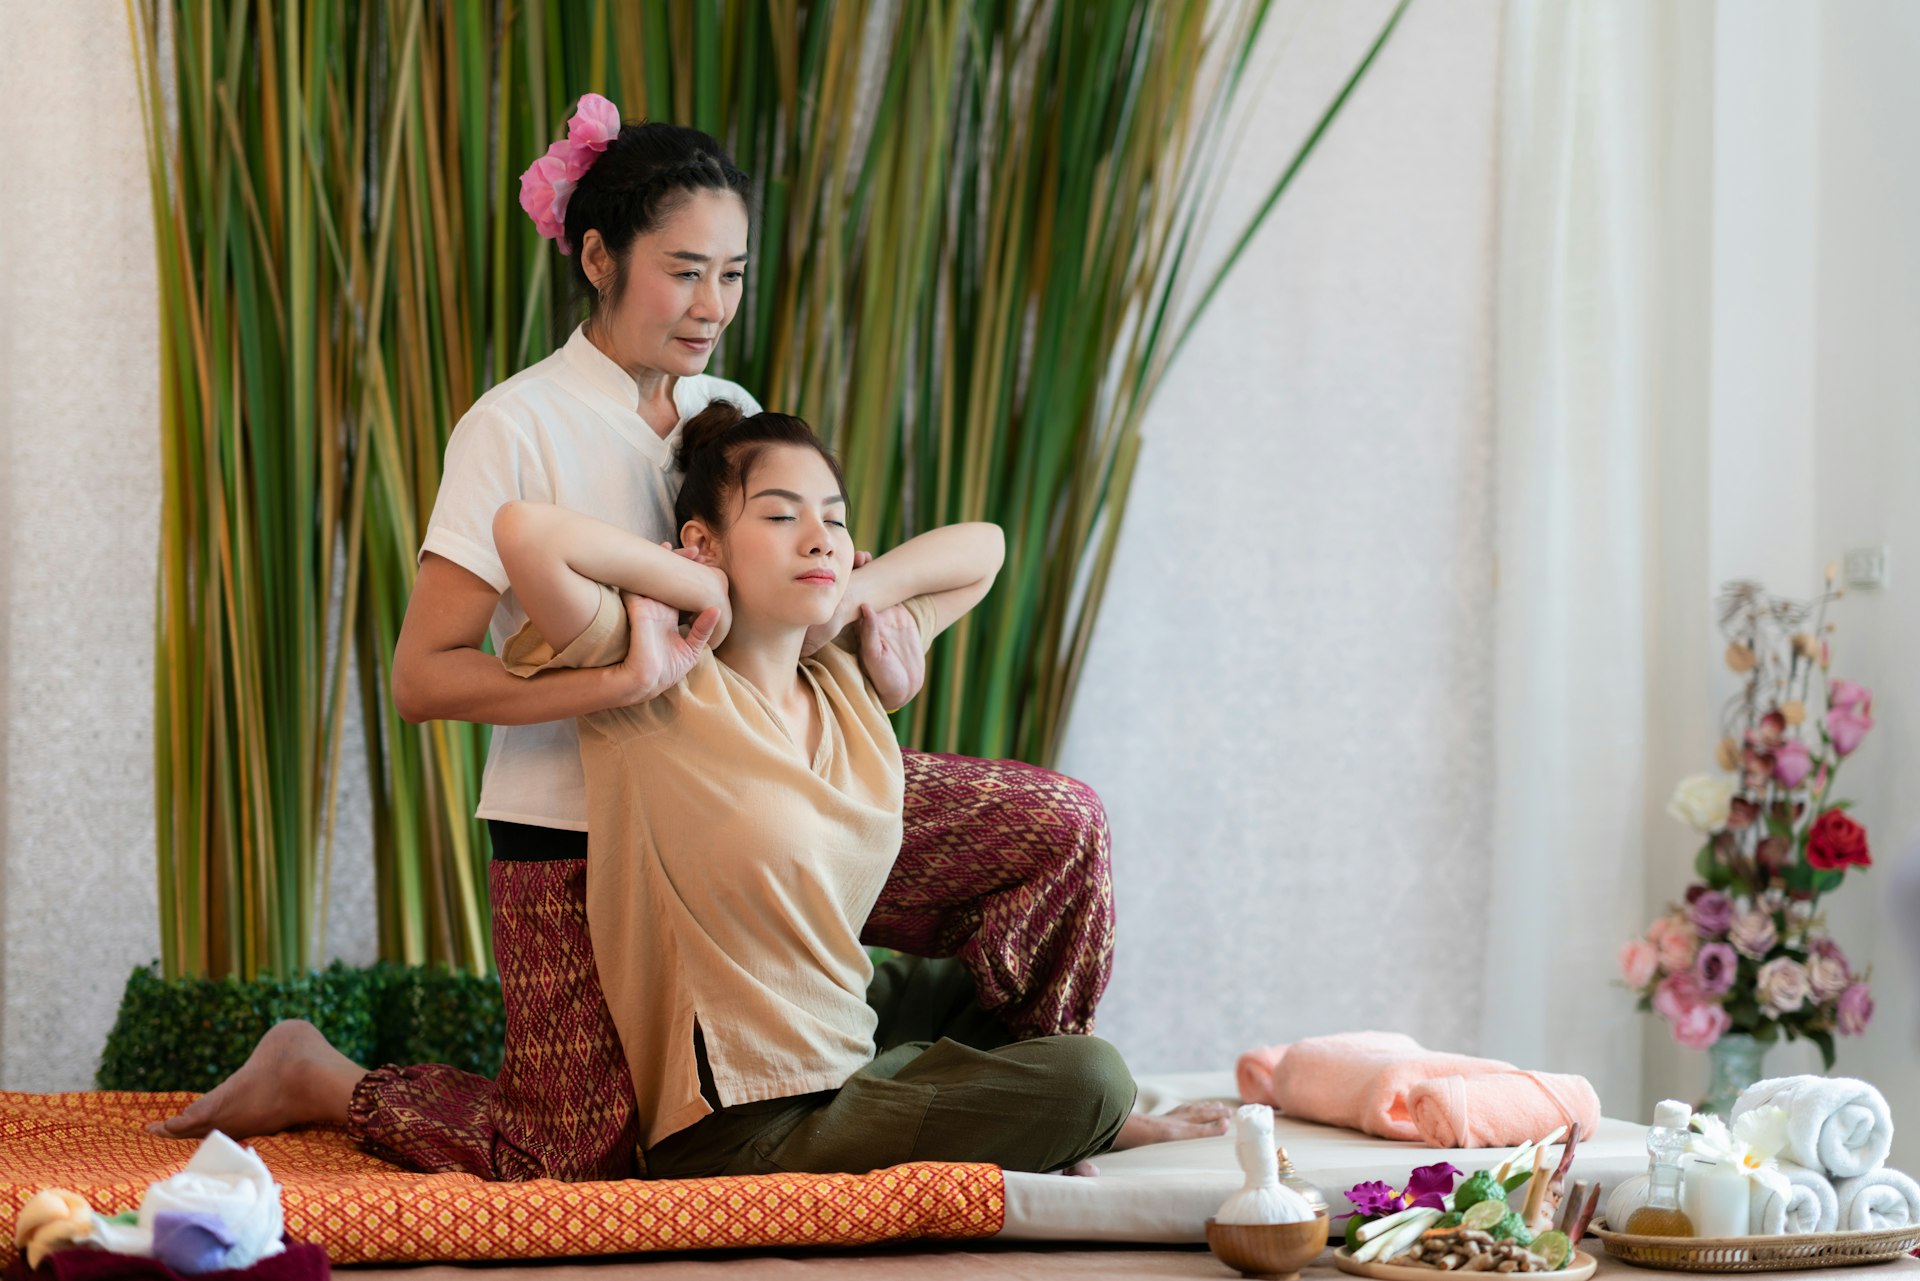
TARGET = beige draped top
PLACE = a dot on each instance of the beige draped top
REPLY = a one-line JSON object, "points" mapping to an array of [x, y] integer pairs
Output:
{"points": [[729, 874]]}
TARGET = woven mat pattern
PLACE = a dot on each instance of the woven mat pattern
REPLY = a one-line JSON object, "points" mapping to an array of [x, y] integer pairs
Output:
{"points": [[364, 1210]]}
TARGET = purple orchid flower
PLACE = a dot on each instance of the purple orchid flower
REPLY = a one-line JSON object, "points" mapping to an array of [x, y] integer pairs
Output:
{"points": [[1428, 1186], [1374, 1198]]}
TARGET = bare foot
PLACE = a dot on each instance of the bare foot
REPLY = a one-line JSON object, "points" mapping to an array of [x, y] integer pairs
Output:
{"points": [[293, 1077], [1188, 1121]]}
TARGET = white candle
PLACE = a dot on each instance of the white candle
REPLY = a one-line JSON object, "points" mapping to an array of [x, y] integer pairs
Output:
{"points": [[1716, 1197]]}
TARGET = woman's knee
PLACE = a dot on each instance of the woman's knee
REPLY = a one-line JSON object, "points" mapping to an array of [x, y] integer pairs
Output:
{"points": [[1090, 1069]]}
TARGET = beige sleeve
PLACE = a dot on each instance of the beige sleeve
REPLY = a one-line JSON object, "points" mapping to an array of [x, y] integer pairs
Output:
{"points": [[925, 618], [603, 644]]}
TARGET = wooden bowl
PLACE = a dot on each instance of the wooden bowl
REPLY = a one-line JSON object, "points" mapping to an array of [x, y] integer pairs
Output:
{"points": [[1269, 1250]]}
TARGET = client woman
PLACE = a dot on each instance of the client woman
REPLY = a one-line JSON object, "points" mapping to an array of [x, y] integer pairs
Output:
{"points": [[741, 825]]}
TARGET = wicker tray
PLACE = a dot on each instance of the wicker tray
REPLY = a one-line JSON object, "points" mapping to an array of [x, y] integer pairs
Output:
{"points": [[1760, 1254]]}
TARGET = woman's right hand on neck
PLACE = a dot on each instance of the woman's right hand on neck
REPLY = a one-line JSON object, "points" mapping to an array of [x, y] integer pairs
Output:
{"points": [[658, 656]]}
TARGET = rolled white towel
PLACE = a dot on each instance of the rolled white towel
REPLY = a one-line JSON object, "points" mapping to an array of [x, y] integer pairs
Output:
{"points": [[1836, 1125], [1882, 1199], [1627, 1196], [1810, 1205]]}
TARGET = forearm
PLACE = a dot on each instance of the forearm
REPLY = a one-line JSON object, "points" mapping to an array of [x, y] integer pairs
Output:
{"points": [[940, 560], [540, 540], [470, 685]]}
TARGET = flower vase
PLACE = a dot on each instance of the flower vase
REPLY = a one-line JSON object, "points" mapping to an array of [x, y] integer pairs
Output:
{"points": [[1733, 1063]]}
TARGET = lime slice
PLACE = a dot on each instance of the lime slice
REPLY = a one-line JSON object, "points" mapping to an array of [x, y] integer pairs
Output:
{"points": [[1484, 1216], [1554, 1248]]}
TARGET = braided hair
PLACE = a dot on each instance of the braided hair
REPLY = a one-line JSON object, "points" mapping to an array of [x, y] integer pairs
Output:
{"points": [[646, 173]]}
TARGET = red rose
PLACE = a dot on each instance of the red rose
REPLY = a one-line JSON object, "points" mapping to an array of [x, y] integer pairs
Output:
{"points": [[1836, 841]]}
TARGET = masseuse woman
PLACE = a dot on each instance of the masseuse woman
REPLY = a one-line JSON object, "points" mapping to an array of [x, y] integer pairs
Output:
{"points": [[1001, 864]]}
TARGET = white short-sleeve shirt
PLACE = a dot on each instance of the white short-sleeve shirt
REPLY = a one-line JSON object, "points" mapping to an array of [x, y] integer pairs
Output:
{"points": [[568, 431]]}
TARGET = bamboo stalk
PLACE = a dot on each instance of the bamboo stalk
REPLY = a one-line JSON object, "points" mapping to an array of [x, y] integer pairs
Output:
{"points": [[973, 250]]}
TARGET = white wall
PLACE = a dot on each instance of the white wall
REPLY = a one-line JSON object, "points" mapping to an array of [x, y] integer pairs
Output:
{"points": [[79, 511], [79, 530], [1865, 436], [1286, 704], [1813, 441]]}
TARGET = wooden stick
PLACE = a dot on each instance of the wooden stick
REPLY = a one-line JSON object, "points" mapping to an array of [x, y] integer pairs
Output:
{"points": [[1537, 1187], [1570, 1206], [1592, 1208]]}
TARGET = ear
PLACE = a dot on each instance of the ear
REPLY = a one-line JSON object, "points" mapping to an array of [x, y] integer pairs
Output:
{"points": [[597, 260], [696, 536]]}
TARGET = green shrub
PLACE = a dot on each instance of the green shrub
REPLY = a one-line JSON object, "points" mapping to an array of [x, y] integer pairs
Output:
{"points": [[190, 1034]]}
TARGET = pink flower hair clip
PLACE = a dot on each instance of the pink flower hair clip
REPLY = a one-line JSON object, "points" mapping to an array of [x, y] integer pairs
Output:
{"points": [[548, 183]]}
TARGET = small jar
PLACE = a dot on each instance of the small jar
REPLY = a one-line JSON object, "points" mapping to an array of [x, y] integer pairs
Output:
{"points": [[1290, 1177]]}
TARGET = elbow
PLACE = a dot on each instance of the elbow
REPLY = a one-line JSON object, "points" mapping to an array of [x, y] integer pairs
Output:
{"points": [[408, 688], [996, 540], [510, 525], [406, 698]]}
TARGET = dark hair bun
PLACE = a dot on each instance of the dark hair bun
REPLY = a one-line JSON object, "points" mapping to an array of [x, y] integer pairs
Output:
{"points": [[706, 431]]}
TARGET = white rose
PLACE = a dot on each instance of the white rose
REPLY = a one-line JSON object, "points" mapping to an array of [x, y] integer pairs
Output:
{"points": [[1782, 985], [1827, 976], [1702, 801]]}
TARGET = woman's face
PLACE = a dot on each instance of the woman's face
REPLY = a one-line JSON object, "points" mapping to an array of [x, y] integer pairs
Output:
{"points": [[683, 285], [786, 550]]}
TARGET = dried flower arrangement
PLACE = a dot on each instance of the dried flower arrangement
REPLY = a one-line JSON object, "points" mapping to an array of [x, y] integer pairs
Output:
{"points": [[1748, 950]]}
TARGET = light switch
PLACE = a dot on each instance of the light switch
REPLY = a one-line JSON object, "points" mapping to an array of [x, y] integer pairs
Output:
{"points": [[1865, 568]]}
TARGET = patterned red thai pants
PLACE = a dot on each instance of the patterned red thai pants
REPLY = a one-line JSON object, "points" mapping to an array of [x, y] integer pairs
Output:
{"points": [[1003, 865]]}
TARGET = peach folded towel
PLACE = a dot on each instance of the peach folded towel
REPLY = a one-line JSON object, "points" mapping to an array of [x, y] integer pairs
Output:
{"points": [[1360, 1079], [1500, 1109], [1256, 1069], [1253, 1072]]}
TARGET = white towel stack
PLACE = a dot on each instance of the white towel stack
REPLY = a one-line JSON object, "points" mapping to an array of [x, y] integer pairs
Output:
{"points": [[1882, 1199], [1810, 1204], [1839, 1133]]}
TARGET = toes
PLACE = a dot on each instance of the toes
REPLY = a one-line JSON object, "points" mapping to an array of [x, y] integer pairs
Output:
{"points": [[173, 1127]]}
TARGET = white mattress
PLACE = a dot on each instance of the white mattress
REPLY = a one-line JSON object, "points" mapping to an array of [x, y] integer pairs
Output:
{"points": [[1164, 1192]]}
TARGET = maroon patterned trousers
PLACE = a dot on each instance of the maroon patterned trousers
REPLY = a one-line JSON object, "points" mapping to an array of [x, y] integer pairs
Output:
{"points": [[1004, 865]]}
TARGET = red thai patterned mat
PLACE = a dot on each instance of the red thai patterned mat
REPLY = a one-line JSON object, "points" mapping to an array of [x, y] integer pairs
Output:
{"points": [[364, 1210]]}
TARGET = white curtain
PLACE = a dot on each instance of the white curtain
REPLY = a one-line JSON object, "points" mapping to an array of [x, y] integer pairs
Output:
{"points": [[1600, 448]]}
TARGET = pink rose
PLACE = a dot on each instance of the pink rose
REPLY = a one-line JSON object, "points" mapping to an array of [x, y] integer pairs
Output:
{"points": [[1827, 976], [1673, 937], [1792, 763], [548, 183], [595, 123], [1700, 1026], [1846, 728], [1716, 968], [1856, 1010], [1677, 994], [1638, 961], [1752, 934], [1847, 694], [545, 188], [1711, 910], [1782, 985]]}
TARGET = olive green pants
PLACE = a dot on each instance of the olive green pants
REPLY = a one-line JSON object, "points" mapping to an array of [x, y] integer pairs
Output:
{"points": [[949, 1083]]}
